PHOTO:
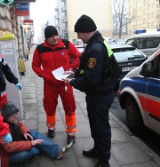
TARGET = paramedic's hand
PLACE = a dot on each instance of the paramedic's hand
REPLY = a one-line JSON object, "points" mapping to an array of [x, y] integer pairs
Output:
{"points": [[37, 141], [27, 136], [19, 86]]}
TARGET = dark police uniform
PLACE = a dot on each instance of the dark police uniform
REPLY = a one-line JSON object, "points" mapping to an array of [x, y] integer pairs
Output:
{"points": [[5, 71], [98, 85]]}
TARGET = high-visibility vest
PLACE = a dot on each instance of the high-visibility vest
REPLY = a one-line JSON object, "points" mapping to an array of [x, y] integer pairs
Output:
{"points": [[111, 71], [109, 50]]}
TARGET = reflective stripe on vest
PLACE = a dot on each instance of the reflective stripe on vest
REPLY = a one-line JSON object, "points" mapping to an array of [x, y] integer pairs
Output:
{"points": [[109, 50]]}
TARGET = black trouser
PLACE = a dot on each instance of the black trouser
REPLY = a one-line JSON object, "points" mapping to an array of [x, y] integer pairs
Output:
{"points": [[98, 113]]}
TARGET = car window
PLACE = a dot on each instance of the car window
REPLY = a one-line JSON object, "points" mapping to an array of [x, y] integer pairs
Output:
{"points": [[144, 43], [152, 42], [159, 68], [127, 54], [132, 42], [156, 67], [80, 48], [140, 43]]}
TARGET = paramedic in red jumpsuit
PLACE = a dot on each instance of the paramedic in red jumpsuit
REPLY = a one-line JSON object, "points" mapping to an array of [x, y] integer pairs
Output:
{"points": [[48, 56]]}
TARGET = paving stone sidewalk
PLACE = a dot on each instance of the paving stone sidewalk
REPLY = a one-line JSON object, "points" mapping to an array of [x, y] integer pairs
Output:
{"points": [[126, 151]]}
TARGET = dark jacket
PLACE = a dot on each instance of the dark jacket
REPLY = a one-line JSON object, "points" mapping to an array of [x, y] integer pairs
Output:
{"points": [[5, 71], [89, 76]]}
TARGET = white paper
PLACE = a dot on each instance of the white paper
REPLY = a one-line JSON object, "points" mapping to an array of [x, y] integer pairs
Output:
{"points": [[59, 73]]}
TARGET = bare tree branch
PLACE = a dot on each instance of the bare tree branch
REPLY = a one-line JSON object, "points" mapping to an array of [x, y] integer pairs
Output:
{"points": [[121, 14]]}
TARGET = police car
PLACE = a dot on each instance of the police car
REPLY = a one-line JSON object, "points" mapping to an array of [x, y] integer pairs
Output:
{"points": [[146, 41], [139, 95]]}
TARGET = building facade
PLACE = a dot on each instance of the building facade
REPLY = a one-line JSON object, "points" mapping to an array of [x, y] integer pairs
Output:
{"points": [[68, 11], [145, 14], [61, 21], [13, 22]]}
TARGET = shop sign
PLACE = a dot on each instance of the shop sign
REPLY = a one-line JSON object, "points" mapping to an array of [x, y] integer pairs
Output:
{"points": [[28, 22], [22, 9]]}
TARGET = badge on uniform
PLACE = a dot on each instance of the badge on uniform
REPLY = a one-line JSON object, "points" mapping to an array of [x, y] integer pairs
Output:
{"points": [[91, 63]]}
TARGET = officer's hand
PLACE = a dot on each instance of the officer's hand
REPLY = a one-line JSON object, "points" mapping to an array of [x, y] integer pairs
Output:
{"points": [[19, 86], [70, 72], [66, 80]]}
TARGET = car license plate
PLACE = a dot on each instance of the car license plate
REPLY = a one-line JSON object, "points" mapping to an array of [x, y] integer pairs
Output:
{"points": [[124, 69]]}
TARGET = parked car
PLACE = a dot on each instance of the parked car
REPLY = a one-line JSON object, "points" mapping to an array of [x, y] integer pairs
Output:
{"points": [[128, 57], [148, 43], [80, 48], [139, 95]]}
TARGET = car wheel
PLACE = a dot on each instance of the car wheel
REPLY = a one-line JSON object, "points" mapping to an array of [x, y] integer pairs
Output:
{"points": [[133, 115]]}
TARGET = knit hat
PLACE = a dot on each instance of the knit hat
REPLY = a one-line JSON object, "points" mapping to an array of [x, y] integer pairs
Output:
{"points": [[85, 24], [50, 31], [9, 109]]}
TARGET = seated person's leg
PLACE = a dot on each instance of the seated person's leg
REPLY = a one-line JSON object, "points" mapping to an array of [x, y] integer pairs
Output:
{"points": [[23, 156], [48, 146]]}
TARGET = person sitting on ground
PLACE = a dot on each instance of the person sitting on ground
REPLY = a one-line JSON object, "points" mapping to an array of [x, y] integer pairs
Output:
{"points": [[26, 144], [4, 131]]}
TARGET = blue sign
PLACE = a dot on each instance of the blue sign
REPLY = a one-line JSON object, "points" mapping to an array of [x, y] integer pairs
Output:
{"points": [[22, 6], [6, 2]]}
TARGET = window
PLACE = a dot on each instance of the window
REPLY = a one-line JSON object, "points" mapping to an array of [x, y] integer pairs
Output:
{"points": [[152, 42], [156, 67], [126, 54], [144, 43]]}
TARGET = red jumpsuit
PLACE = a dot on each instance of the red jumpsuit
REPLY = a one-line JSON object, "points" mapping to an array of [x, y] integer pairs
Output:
{"points": [[3, 99], [47, 58], [4, 127]]}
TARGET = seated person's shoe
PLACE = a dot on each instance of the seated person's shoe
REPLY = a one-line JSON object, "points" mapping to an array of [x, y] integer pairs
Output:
{"points": [[51, 133], [71, 139], [61, 153], [102, 164], [91, 153]]}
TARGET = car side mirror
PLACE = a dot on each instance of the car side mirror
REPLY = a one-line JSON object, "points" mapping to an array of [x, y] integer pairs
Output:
{"points": [[147, 69]]}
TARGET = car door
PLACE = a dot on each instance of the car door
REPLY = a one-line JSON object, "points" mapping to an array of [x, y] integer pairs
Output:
{"points": [[153, 96]]}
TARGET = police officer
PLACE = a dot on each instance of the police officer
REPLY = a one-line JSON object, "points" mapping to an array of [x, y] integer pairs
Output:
{"points": [[95, 77], [6, 71]]}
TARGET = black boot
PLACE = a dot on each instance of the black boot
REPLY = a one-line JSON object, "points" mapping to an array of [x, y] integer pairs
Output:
{"points": [[51, 133], [102, 164], [71, 139], [91, 153]]}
